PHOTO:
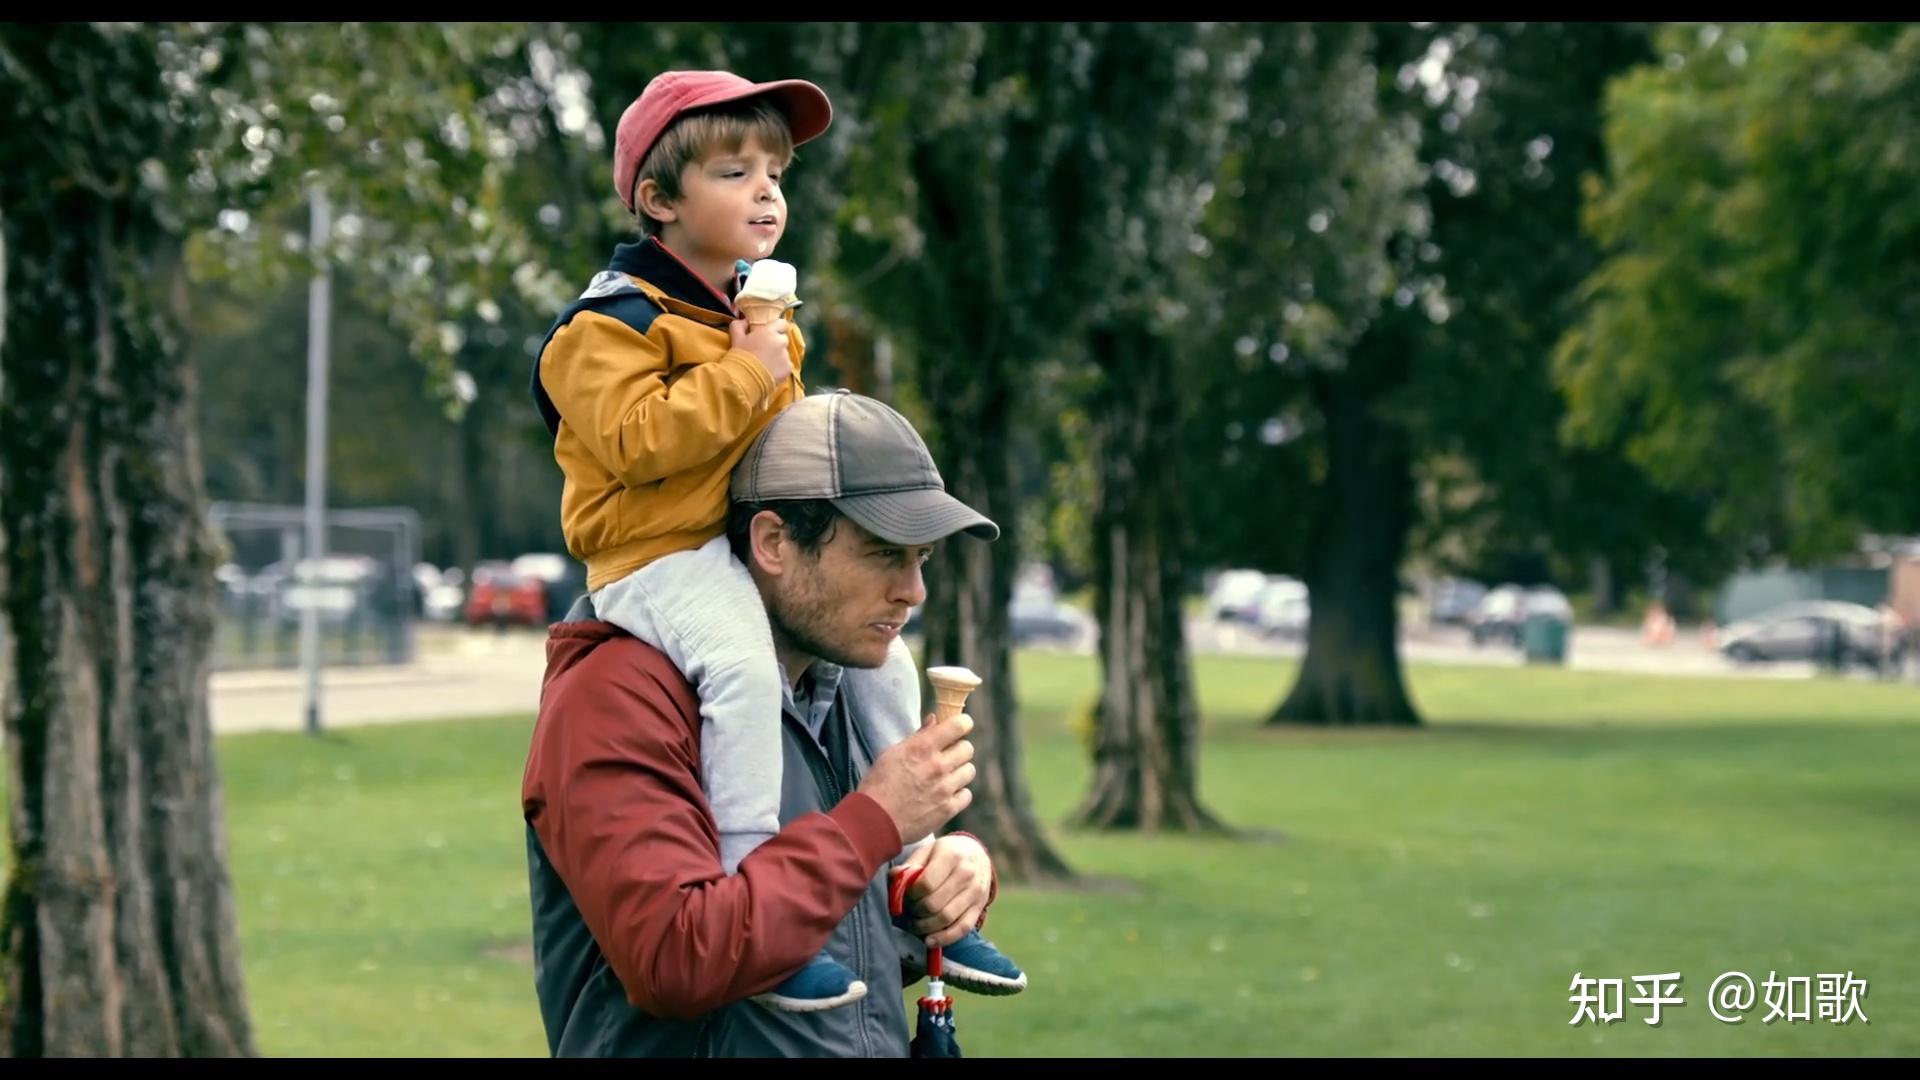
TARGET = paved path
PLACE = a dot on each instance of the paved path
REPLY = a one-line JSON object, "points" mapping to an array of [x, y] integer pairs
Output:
{"points": [[457, 675], [479, 673]]}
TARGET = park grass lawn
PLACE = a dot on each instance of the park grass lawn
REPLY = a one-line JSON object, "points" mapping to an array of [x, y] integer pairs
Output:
{"points": [[1419, 892]]}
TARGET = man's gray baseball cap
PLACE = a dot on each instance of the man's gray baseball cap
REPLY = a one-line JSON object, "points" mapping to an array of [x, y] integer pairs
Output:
{"points": [[864, 458]]}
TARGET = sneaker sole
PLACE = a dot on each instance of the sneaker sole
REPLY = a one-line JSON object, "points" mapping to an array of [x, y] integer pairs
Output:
{"points": [[980, 982], [806, 1005], [972, 980]]}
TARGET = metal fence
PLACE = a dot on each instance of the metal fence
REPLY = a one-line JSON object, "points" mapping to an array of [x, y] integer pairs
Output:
{"points": [[363, 587]]}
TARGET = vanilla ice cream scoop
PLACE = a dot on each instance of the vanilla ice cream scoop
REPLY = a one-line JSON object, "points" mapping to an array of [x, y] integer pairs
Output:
{"points": [[770, 279]]}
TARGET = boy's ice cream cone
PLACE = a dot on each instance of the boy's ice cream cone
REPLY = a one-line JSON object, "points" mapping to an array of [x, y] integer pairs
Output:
{"points": [[951, 685], [758, 311], [767, 292]]}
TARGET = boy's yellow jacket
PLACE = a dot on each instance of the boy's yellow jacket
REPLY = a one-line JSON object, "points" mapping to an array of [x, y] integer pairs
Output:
{"points": [[650, 407]]}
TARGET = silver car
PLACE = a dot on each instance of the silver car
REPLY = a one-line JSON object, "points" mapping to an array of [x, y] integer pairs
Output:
{"points": [[1817, 630]]}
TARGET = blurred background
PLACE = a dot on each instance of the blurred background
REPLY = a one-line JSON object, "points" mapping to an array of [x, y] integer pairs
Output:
{"points": [[1459, 481], [1557, 450]]}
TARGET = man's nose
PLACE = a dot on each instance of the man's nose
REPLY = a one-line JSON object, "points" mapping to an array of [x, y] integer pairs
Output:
{"points": [[910, 587]]}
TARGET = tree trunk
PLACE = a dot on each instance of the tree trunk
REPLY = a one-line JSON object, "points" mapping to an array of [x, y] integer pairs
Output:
{"points": [[970, 401], [968, 586], [1351, 672], [471, 487], [118, 925], [1146, 741]]}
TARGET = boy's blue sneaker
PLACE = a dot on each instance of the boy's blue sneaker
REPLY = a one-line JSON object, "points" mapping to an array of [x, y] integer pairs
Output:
{"points": [[825, 983], [972, 963]]}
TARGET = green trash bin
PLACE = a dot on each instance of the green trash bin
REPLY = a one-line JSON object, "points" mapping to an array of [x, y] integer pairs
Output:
{"points": [[1543, 639]]}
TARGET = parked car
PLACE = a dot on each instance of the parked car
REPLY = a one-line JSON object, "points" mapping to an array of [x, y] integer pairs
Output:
{"points": [[1281, 609], [1818, 630], [562, 579], [499, 596], [1037, 615], [441, 594], [1034, 615], [339, 587], [1504, 611], [1454, 600], [1234, 596]]}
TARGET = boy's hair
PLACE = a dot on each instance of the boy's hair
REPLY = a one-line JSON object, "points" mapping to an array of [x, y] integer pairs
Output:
{"points": [[810, 522], [697, 136]]}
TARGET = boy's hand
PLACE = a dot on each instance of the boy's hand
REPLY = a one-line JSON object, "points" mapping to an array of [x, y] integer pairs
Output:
{"points": [[769, 343]]}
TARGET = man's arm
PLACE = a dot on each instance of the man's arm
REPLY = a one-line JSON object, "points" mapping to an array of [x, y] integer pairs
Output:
{"points": [[613, 793]]}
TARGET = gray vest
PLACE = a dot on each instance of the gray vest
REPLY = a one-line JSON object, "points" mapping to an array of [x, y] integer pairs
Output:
{"points": [[586, 1009]]}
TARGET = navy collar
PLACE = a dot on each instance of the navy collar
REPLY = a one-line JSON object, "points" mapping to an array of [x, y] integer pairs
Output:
{"points": [[655, 263]]}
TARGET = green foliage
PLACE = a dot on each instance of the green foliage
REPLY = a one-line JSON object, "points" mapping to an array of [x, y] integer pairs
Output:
{"points": [[1750, 334], [1320, 181], [434, 143]]}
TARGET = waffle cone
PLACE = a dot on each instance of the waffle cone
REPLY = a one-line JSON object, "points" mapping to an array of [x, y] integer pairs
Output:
{"points": [[951, 685], [760, 312]]}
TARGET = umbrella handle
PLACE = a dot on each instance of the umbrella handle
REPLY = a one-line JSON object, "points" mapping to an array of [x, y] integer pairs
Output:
{"points": [[903, 879]]}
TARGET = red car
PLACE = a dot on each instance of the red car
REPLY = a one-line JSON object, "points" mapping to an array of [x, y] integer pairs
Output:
{"points": [[499, 596]]}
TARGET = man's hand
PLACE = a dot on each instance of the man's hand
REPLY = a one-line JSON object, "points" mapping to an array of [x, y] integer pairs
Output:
{"points": [[921, 781], [952, 891], [768, 342]]}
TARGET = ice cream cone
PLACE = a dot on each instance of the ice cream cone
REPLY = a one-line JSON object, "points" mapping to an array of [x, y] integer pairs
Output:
{"points": [[951, 685], [758, 311]]}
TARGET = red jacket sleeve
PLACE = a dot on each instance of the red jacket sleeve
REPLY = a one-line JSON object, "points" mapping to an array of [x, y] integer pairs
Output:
{"points": [[612, 790]]}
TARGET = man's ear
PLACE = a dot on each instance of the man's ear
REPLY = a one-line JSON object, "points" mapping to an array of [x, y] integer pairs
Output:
{"points": [[767, 542], [648, 199]]}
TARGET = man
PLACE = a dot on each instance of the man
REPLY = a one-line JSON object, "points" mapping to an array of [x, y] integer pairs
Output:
{"points": [[643, 945]]}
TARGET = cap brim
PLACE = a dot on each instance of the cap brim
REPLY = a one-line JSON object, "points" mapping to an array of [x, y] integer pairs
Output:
{"points": [[808, 110], [921, 516]]}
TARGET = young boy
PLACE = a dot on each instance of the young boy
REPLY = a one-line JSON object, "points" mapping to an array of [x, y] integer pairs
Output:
{"points": [[654, 388]]}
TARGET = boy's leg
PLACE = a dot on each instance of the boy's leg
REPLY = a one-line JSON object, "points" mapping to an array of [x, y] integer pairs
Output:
{"points": [[890, 695], [889, 698], [702, 610]]}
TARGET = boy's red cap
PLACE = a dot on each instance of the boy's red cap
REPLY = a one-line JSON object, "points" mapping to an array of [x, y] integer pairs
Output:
{"points": [[674, 92]]}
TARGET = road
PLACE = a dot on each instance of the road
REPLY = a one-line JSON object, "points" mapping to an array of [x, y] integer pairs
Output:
{"points": [[475, 673], [1590, 648], [457, 674]]}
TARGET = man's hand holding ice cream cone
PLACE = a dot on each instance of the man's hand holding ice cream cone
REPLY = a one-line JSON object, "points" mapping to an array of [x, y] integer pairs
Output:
{"points": [[923, 780]]}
